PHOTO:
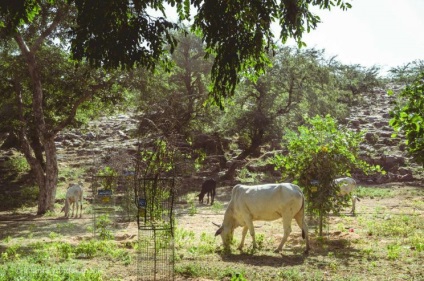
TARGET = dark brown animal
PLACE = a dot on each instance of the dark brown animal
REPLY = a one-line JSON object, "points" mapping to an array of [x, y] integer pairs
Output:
{"points": [[208, 187]]}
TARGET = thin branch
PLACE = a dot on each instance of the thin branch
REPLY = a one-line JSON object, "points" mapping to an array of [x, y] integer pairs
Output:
{"points": [[61, 13], [77, 103]]}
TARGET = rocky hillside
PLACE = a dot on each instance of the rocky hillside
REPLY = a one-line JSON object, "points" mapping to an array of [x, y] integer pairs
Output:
{"points": [[109, 140], [372, 115]]}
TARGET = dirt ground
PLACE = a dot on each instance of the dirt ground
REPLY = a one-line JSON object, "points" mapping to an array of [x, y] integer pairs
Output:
{"points": [[23, 224]]}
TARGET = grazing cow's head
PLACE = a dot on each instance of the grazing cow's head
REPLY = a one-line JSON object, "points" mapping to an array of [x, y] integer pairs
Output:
{"points": [[226, 231], [201, 196]]}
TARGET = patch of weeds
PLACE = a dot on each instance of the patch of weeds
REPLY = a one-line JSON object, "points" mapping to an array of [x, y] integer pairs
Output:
{"points": [[417, 242], [86, 249], [217, 207], [25, 270], [191, 270], [374, 192], [369, 253], [11, 253], [102, 225], [64, 250], [65, 227], [17, 163], [260, 241], [53, 235], [340, 227], [393, 251], [416, 203], [191, 200], [234, 275], [290, 274], [206, 244], [7, 239], [192, 210], [50, 214]]}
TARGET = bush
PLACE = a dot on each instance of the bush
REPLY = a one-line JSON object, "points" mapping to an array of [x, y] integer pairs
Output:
{"points": [[318, 152]]}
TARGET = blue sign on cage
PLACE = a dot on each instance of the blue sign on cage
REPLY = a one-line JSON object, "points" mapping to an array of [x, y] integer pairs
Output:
{"points": [[142, 203], [104, 192]]}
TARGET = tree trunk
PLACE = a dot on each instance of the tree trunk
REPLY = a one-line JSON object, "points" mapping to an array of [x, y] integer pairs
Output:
{"points": [[46, 170], [48, 187]]}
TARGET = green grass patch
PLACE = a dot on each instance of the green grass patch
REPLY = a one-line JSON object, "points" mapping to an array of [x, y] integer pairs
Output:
{"points": [[374, 192]]}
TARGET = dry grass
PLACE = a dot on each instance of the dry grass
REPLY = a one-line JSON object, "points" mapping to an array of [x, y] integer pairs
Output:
{"points": [[384, 241]]}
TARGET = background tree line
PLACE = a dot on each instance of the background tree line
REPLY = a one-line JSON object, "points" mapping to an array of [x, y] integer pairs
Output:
{"points": [[54, 76]]}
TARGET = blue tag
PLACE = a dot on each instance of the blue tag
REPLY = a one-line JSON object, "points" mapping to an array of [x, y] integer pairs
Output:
{"points": [[104, 192], [142, 203]]}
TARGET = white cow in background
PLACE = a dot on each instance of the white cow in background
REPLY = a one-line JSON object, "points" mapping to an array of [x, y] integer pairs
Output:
{"points": [[73, 197], [266, 202], [347, 186]]}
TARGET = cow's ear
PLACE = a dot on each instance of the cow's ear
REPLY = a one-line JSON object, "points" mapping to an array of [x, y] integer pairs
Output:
{"points": [[218, 231]]}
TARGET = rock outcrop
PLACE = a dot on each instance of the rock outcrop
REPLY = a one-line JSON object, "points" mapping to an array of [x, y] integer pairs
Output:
{"points": [[372, 116]]}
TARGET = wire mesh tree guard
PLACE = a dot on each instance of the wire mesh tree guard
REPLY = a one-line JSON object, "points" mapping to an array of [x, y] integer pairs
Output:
{"points": [[155, 228]]}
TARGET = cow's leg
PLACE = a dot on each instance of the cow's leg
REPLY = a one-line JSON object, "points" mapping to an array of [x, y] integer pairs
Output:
{"points": [[353, 204], [208, 198], [243, 236], [213, 196], [252, 232], [300, 219], [73, 207], [81, 208], [287, 231]]}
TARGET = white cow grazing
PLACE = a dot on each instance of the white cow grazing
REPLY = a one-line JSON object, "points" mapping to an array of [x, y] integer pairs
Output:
{"points": [[347, 186], [73, 197], [266, 202]]}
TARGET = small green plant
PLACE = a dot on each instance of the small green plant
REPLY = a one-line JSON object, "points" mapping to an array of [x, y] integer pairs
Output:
{"points": [[238, 277], [290, 274], [103, 223], [393, 251], [192, 210], [53, 235], [191, 200], [7, 239], [65, 250], [190, 270], [260, 239], [217, 207]]}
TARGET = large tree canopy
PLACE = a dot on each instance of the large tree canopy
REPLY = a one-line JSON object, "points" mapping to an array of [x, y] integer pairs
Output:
{"points": [[238, 33]]}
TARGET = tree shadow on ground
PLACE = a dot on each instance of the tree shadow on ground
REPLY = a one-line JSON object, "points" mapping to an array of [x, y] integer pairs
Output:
{"points": [[322, 251], [27, 225], [296, 257]]}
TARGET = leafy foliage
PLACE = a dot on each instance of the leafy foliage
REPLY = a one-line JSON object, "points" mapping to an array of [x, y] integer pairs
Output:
{"points": [[406, 74], [317, 153], [124, 33], [408, 117]]}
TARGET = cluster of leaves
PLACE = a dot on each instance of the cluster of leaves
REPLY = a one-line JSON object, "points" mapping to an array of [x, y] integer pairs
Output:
{"points": [[124, 33], [408, 118], [318, 153]]}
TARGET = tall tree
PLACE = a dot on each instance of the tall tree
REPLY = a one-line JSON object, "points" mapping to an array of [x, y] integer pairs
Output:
{"points": [[45, 90], [298, 83]]}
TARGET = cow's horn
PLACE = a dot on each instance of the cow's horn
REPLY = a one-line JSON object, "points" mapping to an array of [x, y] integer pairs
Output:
{"points": [[216, 224]]}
